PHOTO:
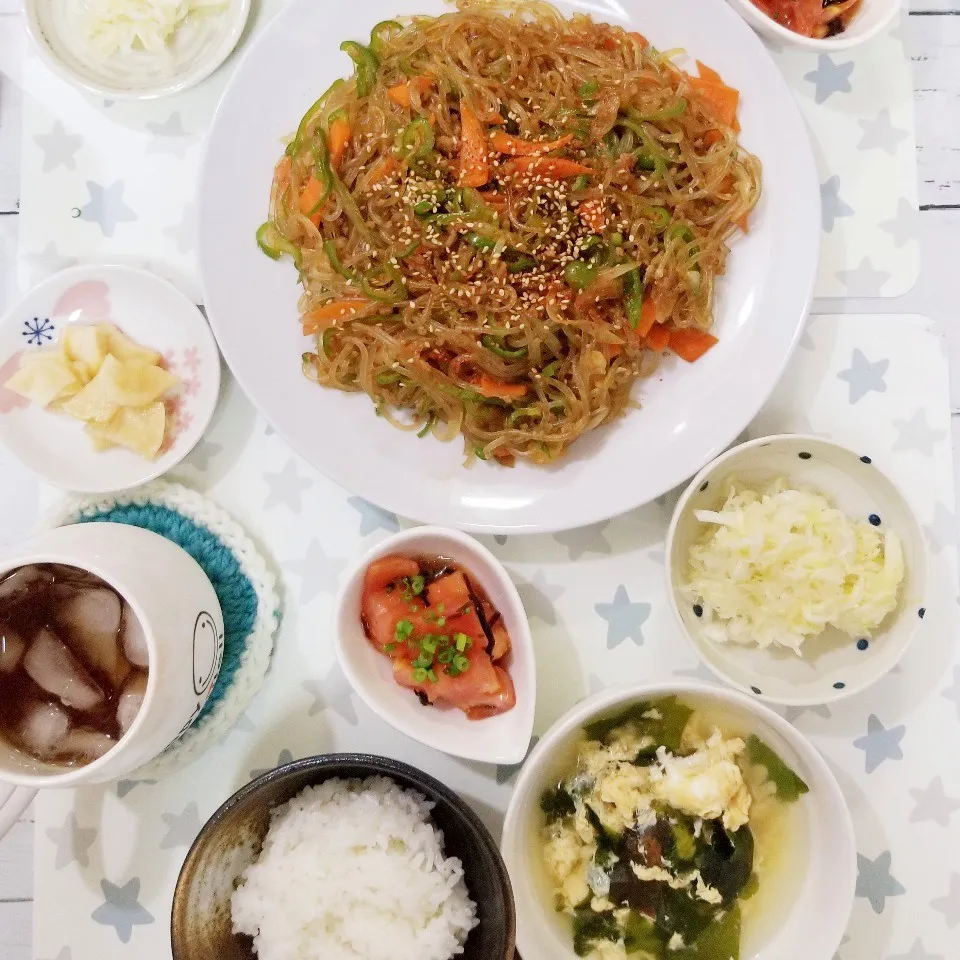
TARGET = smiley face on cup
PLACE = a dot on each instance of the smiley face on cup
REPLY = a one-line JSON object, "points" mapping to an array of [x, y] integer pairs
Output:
{"points": [[111, 640]]}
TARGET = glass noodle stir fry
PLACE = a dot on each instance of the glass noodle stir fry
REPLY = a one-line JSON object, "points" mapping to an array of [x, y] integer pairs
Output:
{"points": [[504, 218]]}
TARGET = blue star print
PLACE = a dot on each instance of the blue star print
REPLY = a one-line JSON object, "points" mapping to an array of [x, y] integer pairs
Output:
{"points": [[38, 331], [624, 619]]}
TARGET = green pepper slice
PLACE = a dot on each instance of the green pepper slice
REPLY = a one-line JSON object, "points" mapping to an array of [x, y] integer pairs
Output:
{"points": [[366, 65], [274, 244], [633, 296], [385, 30], [507, 353]]}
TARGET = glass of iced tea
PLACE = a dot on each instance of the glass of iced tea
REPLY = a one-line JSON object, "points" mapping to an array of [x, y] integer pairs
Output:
{"points": [[111, 639]]}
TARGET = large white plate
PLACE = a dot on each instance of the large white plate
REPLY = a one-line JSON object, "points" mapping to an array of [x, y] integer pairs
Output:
{"points": [[690, 412]]}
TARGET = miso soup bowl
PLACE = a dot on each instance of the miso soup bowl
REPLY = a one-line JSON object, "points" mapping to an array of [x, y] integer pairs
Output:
{"points": [[806, 924], [182, 622]]}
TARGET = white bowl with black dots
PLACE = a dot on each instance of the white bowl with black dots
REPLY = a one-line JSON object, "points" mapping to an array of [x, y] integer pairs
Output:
{"points": [[832, 665]]}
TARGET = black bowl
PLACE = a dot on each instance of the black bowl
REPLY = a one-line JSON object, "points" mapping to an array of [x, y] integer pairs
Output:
{"points": [[200, 925]]}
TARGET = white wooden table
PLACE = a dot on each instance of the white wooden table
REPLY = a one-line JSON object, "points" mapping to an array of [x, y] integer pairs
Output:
{"points": [[933, 37]]}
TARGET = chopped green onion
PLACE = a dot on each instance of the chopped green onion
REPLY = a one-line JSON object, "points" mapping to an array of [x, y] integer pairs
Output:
{"points": [[461, 663], [633, 296], [550, 369], [389, 647], [588, 89], [441, 621], [381, 33], [431, 676], [429, 644], [616, 239], [446, 656], [419, 675], [462, 641], [424, 431], [424, 660], [507, 353], [579, 274], [366, 65], [403, 629], [416, 584]]}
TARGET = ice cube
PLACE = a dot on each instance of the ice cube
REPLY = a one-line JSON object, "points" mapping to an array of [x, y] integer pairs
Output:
{"points": [[51, 665], [11, 650], [42, 728], [131, 700], [134, 639], [89, 623], [15, 587], [85, 745]]}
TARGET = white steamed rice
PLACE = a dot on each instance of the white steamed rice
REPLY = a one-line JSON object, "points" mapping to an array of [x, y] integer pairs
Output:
{"points": [[354, 870]]}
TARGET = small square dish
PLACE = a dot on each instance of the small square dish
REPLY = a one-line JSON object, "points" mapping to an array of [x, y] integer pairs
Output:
{"points": [[148, 311]]}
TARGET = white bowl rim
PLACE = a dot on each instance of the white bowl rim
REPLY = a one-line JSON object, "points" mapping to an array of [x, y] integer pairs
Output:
{"points": [[680, 508], [612, 696], [760, 21], [520, 639], [176, 83]]}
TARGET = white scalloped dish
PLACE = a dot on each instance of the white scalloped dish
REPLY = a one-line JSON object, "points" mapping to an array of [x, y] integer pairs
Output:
{"points": [[502, 738]]}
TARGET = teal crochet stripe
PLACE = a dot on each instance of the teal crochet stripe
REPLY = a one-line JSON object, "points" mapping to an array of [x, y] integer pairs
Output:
{"points": [[236, 594]]}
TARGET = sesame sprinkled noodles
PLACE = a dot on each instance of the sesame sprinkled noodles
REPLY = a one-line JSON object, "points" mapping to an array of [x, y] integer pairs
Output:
{"points": [[504, 218]]}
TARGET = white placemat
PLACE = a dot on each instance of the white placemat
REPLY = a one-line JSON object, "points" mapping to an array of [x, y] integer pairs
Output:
{"points": [[88, 194], [107, 859]]}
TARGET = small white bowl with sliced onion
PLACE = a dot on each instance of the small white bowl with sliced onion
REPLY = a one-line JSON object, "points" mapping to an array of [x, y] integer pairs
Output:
{"points": [[128, 50], [797, 569]]}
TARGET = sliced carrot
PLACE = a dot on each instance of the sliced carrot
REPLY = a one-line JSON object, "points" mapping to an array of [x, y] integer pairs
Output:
{"points": [[593, 215], [611, 350], [609, 42], [709, 74], [474, 159], [741, 222], [309, 198], [494, 198], [721, 100], [388, 166], [690, 343], [339, 138], [400, 94], [713, 136], [502, 142], [327, 314], [555, 167], [658, 338], [500, 389], [493, 118], [640, 38], [648, 317]]}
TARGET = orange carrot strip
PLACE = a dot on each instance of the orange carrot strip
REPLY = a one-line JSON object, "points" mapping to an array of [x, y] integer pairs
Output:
{"points": [[720, 99], [709, 74], [690, 343], [327, 314], [493, 118], [648, 317], [400, 94], [555, 167], [492, 387], [658, 338], [593, 215], [339, 138], [388, 166], [640, 38], [474, 160], [309, 198], [712, 136], [741, 222], [502, 142]]}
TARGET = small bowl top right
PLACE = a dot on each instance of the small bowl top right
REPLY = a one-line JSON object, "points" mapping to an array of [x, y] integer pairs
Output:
{"points": [[862, 21], [752, 651]]}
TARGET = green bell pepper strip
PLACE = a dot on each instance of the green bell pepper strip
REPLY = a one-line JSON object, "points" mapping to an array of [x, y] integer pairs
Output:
{"points": [[381, 33], [274, 244], [507, 353], [391, 294], [480, 242], [416, 140], [550, 369], [351, 210], [325, 342], [524, 413], [579, 274], [366, 65], [633, 296], [294, 146], [680, 231], [659, 215], [386, 379], [426, 427], [517, 261], [330, 249], [676, 109]]}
